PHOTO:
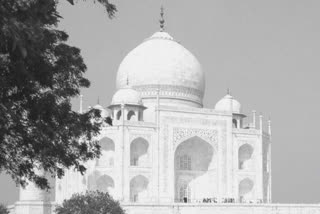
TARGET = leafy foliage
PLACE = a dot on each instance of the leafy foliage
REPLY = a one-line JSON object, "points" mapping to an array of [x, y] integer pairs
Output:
{"points": [[39, 74], [110, 8], [3, 209], [90, 202]]}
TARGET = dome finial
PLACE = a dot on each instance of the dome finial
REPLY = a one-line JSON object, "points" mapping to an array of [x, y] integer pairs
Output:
{"points": [[161, 21], [98, 101], [228, 91]]}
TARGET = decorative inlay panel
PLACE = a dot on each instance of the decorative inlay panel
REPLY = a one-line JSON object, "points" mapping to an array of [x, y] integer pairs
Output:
{"points": [[172, 91], [181, 134]]}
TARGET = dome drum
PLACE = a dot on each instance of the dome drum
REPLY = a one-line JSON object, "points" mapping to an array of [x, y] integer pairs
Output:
{"points": [[170, 92]]}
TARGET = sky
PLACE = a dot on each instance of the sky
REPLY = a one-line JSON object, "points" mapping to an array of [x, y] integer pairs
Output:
{"points": [[266, 52]]}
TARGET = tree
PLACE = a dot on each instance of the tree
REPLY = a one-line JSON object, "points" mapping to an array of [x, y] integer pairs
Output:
{"points": [[90, 202], [39, 74], [3, 209]]}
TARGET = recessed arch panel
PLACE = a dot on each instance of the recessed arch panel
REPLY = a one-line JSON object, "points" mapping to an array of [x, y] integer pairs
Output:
{"points": [[245, 153], [245, 189], [139, 188], [194, 168], [107, 156], [139, 152]]}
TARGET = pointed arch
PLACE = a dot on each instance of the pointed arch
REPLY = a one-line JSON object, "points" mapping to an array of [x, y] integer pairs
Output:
{"points": [[131, 115], [193, 161], [234, 123], [105, 183], [139, 152], [100, 182], [119, 113], [107, 153], [184, 192], [244, 156], [245, 189], [139, 188]]}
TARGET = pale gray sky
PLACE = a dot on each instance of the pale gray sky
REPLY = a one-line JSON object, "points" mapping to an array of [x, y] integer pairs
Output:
{"points": [[267, 52]]}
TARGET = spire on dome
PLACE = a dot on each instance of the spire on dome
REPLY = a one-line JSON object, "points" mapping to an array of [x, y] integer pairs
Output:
{"points": [[161, 21], [228, 91]]}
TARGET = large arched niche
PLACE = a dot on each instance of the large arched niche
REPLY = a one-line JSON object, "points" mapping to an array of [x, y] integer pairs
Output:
{"points": [[139, 152], [194, 164], [245, 153], [107, 153], [92, 178], [101, 182], [246, 190], [105, 184], [139, 189]]}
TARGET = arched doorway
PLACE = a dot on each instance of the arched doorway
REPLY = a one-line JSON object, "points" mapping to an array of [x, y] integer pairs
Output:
{"points": [[131, 115], [184, 192], [139, 189], [103, 183], [245, 190], [107, 153], [139, 152], [119, 114], [234, 123], [245, 155], [193, 169]]}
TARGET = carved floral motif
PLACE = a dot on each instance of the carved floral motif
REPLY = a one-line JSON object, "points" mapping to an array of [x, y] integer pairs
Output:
{"points": [[181, 134], [179, 92]]}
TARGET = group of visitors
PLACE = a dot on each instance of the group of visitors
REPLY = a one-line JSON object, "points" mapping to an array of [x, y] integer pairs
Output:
{"points": [[223, 200]]}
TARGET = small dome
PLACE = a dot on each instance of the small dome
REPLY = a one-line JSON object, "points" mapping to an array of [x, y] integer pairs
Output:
{"points": [[225, 104], [126, 95]]}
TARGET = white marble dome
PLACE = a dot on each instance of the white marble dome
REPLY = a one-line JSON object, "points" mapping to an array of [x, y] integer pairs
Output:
{"points": [[126, 95], [225, 104], [162, 63]]}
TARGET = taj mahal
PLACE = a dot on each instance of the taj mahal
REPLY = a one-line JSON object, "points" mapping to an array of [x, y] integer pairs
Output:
{"points": [[167, 153]]}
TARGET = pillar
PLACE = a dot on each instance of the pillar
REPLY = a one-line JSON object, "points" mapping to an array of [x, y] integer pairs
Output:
{"points": [[254, 119]]}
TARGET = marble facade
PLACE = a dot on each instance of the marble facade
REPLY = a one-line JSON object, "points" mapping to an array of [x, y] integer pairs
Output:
{"points": [[165, 152]]}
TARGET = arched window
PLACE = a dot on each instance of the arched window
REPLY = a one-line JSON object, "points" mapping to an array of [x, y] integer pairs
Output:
{"points": [[184, 193], [184, 162], [107, 153], [244, 155], [119, 115], [234, 123], [139, 152], [105, 184], [245, 189], [138, 189], [131, 115]]}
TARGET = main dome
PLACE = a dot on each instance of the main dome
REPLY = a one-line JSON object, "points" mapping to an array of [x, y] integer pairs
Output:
{"points": [[162, 64]]}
